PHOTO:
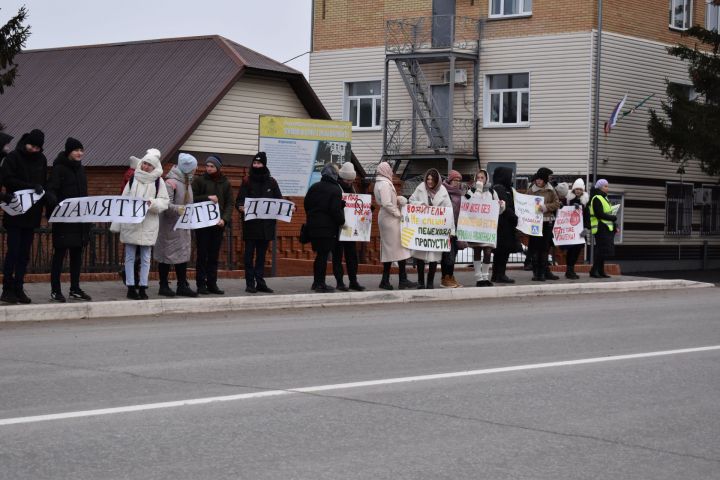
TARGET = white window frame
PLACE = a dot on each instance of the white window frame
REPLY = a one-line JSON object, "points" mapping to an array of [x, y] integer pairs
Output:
{"points": [[521, 11], [348, 98], [679, 204], [688, 4], [712, 11], [487, 105]]}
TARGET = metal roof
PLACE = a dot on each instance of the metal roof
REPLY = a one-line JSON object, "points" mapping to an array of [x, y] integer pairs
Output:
{"points": [[121, 99]]}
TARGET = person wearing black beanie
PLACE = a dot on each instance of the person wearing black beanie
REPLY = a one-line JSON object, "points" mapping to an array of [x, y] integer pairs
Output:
{"points": [[22, 169], [68, 180], [36, 138], [257, 233], [72, 144]]}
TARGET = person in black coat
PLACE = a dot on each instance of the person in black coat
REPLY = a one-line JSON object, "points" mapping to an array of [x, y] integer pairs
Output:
{"points": [[507, 221], [604, 235], [348, 249], [325, 213], [257, 233], [23, 168], [68, 180]]}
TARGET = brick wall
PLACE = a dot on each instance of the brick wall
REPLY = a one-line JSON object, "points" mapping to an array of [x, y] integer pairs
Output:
{"points": [[341, 24]]}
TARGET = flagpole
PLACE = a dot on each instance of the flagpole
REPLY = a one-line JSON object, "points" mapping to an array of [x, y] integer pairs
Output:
{"points": [[598, 51]]}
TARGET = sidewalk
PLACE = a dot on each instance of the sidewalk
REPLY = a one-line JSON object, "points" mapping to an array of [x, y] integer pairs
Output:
{"points": [[294, 292]]}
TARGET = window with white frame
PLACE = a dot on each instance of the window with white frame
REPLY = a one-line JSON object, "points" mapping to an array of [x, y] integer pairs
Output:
{"points": [[712, 15], [680, 14], [510, 8], [363, 104], [507, 99], [710, 220], [678, 208]]}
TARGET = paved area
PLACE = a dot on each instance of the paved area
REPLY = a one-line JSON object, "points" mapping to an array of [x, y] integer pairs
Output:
{"points": [[114, 290], [588, 386]]}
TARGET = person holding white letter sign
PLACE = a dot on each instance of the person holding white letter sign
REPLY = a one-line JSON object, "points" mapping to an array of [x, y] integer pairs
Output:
{"points": [[173, 244], [259, 232], [147, 184]]}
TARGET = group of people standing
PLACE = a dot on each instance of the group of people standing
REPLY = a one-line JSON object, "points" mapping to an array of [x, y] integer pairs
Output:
{"points": [[168, 195], [433, 191]]}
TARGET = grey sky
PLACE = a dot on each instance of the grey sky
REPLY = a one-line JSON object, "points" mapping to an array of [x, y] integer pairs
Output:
{"points": [[279, 29]]}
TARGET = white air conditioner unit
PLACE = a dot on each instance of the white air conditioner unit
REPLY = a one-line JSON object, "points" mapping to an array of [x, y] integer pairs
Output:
{"points": [[460, 76], [702, 196]]}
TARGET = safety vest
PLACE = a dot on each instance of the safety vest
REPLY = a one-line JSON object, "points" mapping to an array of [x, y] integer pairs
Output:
{"points": [[607, 210]]}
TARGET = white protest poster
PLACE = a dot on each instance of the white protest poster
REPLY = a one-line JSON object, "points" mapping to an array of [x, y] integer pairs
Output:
{"points": [[109, 208], [298, 148], [568, 227], [358, 218], [528, 209], [268, 209], [198, 215], [478, 221], [426, 228], [22, 201]]}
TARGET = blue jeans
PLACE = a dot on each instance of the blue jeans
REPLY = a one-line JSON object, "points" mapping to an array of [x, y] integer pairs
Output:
{"points": [[145, 251]]}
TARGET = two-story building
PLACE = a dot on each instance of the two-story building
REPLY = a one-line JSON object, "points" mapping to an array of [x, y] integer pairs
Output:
{"points": [[468, 83]]}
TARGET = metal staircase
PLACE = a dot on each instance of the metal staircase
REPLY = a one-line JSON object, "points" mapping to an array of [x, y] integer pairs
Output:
{"points": [[422, 99]]}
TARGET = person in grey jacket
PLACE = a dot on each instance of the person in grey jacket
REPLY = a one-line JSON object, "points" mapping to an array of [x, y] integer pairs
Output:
{"points": [[173, 246]]}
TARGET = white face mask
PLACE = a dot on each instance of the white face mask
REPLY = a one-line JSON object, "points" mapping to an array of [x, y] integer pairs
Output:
{"points": [[479, 185]]}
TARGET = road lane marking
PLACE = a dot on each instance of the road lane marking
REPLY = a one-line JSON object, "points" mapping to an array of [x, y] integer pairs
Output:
{"points": [[343, 386]]}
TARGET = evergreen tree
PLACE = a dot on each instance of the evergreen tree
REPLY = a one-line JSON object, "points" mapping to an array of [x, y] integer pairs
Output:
{"points": [[690, 127], [13, 36]]}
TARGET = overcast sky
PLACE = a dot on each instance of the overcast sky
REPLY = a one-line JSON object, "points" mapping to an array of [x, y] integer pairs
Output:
{"points": [[279, 29]]}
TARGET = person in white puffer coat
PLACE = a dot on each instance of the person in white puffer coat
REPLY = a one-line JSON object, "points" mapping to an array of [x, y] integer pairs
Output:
{"points": [[140, 237], [430, 192]]}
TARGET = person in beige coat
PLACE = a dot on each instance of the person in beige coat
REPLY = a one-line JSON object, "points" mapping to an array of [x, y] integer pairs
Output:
{"points": [[433, 193], [389, 221]]}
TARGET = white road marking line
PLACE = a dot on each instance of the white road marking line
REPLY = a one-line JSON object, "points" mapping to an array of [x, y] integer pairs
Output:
{"points": [[342, 386]]}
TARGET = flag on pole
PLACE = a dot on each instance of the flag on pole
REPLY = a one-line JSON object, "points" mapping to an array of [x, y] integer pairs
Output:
{"points": [[628, 112], [614, 115]]}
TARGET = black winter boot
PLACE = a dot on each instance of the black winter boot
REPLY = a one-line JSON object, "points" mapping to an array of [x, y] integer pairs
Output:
{"points": [[132, 293], [142, 293], [165, 290]]}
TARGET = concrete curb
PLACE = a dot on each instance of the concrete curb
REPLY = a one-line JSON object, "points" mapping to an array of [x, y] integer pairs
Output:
{"points": [[189, 306]]}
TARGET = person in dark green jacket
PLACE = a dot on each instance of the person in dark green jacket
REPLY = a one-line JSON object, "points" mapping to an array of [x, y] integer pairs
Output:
{"points": [[215, 187]]}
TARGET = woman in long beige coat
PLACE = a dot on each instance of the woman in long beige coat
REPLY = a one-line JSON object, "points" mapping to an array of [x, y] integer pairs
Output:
{"points": [[389, 221]]}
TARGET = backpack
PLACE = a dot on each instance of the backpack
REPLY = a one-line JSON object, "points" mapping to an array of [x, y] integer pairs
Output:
{"points": [[157, 184]]}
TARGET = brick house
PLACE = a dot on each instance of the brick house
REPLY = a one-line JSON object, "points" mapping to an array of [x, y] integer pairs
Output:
{"points": [[198, 95], [413, 75]]}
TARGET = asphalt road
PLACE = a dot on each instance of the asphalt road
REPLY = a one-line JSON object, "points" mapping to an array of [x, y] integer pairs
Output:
{"points": [[647, 417]]}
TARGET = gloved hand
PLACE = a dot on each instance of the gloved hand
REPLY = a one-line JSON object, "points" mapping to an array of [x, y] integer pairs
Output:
{"points": [[577, 206], [585, 233], [39, 189], [6, 197]]}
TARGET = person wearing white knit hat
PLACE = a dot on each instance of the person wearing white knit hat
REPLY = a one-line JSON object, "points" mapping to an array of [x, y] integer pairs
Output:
{"points": [[346, 176], [579, 199], [147, 184]]}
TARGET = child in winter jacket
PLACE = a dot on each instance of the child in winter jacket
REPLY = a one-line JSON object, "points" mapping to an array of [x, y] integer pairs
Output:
{"points": [[146, 183]]}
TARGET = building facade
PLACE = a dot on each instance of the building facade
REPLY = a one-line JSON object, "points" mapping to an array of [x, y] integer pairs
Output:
{"points": [[528, 95]]}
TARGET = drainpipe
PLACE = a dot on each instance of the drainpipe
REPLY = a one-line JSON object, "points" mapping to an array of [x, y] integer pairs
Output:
{"points": [[598, 51]]}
